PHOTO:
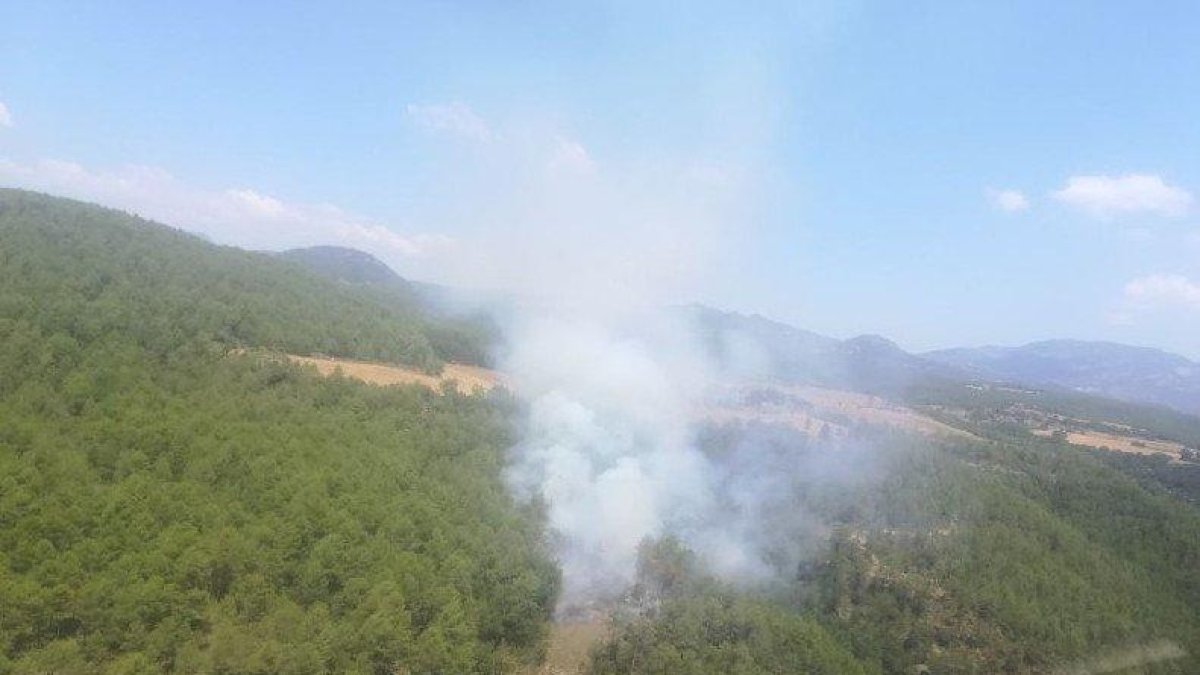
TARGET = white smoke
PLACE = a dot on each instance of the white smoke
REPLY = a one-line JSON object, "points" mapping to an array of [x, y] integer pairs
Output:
{"points": [[608, 444], [599, 238], [610, 447]]}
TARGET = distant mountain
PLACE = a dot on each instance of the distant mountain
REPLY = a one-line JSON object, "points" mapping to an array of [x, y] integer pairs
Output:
{"points": [[344, 264], [877, 365], [1108, 369], [356, 267], [762, 348], [752, 345]]}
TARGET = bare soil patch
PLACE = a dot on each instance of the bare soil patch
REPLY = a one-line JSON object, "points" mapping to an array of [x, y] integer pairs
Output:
{"points": [[1118, 443], [467, 379], [571, 644], [816, 410]]}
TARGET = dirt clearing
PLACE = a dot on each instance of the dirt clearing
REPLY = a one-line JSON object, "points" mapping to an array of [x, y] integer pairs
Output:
{"points": [[570, 647], [467, 379], [816, 410], [1118, 443]]}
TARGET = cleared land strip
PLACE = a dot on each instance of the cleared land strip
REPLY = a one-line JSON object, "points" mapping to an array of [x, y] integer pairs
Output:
{"points": [[1117, 442], [818, 411], [807, 409], [468, 379]]}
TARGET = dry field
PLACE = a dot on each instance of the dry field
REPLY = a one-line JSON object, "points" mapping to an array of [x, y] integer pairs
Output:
{"points": [[1118, 443], [815, 410], [467, 379]]}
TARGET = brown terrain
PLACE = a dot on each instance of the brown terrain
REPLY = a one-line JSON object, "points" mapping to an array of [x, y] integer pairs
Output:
{"points": [[1086, 433], [813, 410], [1117, 442], [819, 411], [467, 379], [570, 645]]}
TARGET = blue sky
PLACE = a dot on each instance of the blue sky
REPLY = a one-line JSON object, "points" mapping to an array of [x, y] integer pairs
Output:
{"points": [[942, 173]]}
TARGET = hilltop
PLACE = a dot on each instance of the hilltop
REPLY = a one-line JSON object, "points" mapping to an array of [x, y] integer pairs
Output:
{"points": [[345, 264]]}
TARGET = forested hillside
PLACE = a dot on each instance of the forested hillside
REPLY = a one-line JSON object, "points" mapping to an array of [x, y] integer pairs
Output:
{"points": [[176, 498], [84, 271], [458, 326], [1005, 555], [168, 504]]}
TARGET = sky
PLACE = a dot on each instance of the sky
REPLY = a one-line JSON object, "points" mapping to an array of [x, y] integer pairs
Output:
{"points": [[940, 173]]}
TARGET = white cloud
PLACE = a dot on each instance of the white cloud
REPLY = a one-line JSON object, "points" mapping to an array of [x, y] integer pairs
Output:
{"points": [[570, 156], [1164, 291], [1110, 196], [240, 217], [260, 205], [1010, 201], [6, 119], [456, 119]]}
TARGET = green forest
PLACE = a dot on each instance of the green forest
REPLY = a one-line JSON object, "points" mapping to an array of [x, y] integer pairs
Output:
{"points": [[88, 273], [988, 557], [170, 504], [176, 498]]}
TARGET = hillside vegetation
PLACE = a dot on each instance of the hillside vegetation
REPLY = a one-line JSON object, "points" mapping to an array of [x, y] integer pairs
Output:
{"points": [[459, 330], [85, 272], [1006, 555], [177, 496], [169, 506]]}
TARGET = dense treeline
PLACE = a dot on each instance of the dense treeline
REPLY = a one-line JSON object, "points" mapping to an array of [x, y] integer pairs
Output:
{"points": [[969, 557], [168, 506], [82, 271], [1158, 471], [168, 503]]}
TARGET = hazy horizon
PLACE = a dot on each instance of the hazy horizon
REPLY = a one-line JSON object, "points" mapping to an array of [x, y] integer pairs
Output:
{"points": [[940, 175]]}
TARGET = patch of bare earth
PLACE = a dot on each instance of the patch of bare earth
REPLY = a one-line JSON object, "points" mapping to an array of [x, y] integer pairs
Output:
{"points": [[1118, 442], [467, 379], [817, 411], [570, 647]]}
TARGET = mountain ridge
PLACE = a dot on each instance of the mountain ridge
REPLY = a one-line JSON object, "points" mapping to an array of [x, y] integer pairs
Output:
{"points": [[1111, 369], [870, 363]]}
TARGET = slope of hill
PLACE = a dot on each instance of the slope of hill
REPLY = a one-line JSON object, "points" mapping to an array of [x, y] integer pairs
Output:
{"points": [[1103, 368], [759, 348], [993, 551], [345, 264], [461, 330], [104, 272], [1011, 554], [169, 504]]}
